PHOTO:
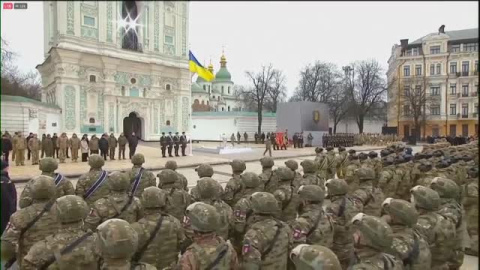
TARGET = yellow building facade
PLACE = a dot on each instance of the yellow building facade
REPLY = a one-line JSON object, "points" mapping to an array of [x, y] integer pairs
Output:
{"points": [[436, 79]]}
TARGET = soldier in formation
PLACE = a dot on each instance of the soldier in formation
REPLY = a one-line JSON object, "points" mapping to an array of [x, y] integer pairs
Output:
{"points": [[275, 220]]}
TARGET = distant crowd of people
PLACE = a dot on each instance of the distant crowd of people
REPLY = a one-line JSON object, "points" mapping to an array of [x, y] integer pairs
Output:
{"points": [[60, 146]]}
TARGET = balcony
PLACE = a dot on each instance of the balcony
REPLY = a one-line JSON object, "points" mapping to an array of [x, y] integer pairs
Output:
{"points": [[464, 94], [464, 115], [464, 74]]}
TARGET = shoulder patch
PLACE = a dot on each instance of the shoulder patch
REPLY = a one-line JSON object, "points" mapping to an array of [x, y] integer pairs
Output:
{"points": [[246, 248]]}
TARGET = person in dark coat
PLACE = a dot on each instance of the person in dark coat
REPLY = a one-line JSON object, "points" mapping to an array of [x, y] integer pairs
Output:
{"points": [[6, 147], [132, 144], [55, 147], [28, 149], [103, 145], [9, 195], [263, 137]]}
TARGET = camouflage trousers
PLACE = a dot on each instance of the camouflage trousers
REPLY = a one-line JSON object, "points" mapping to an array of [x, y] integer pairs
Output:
{"points": [[62, 154], [20, 157], [344, 254], [35, 157]]}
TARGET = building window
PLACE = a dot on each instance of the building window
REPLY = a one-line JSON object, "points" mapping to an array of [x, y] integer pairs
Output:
{"points": [[406, 71], [222, 89], [465, 90], [439, 69], [456, 48], [470, 47], [453, 89], [476, 65], [168, 39], [203, 102], [133, 81], [168, 123], [123, 90], [418, 70], [196, 102], [144, 92], [435, 110], [93, 78], [167, 87], [435, 90], [434, 49], [204, 87], [218, 98], [91, 120], [213, 97], [209, 88], [418, 89], [453, 109], [465, 110], [223, 109], [89, 21], [432, 69], [229, 90], [465, 68], [406, 90], [476, 107], [406, 110], [414, 51], [453, 67], [228, 108]]}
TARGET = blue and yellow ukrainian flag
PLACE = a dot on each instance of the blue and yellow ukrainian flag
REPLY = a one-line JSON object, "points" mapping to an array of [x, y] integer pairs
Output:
{"points": [[196, 67]]}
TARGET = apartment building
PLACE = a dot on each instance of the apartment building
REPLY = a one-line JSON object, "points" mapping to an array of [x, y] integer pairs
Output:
{"points": [[435, 80]]}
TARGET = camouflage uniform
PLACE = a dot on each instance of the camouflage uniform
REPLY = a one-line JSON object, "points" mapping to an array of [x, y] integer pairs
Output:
{"points": [[322, 166], [293, 165], [86, 181], [389, 180], [118, 204], [331, 163], [267, 240], [62, 144], [112, 145], [122, 142], [452, 210], [312, 225], [74, 146], [286, 194], [470, 203], [341, 209], [178, 199], [204, 170], [208, 250], [116, 243], [47, 146], [16, 244], [437, 230], [309, 175], [234, 187], [407, 244], [71, 210], [147, 180], [368, 197], [375, 236], [268, 176], [162, 251], [342, 160], [47, 166], [307, 257], [350, 178], [34, 146], [19, 146], [376, 163], [182, 180]]}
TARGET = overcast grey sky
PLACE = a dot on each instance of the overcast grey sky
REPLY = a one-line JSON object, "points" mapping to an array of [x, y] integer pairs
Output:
{"points": [[287, 34]]}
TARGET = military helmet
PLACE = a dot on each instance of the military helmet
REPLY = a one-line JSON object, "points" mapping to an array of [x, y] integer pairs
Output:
{"points": [[267, 162], [425, 166], [167, 176], [96, 161], [318, 150], [387, 161], [171, 164], [425, 198], [372, 154], [285, 174], [398, 160], [204, 170], [71, 208], [48, 165], [308, 166], [365, 173], [116, 239], [418, 156], [407, 157], [264, 203], [437, 153], [375, 231], [341, 149], [384, 153], [138, 159], [43, 187], [402, 211], [311, 257], [153, 197], [208, 188], [352, 151], [442, 164], [118, 181], [202, 217], [291, 164], [473, 172], [362, 156], [445, 188], [311, 193], [335, 187], [353, 157], [238, 166], [251, 180]]}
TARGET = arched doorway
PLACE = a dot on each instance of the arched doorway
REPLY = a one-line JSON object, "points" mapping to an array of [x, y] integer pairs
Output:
{"points": [[132, 123]]}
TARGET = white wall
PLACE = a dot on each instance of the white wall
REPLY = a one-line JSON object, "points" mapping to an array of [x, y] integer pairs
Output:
{"points": [[14, 118], [51, 119], [350, 126]]}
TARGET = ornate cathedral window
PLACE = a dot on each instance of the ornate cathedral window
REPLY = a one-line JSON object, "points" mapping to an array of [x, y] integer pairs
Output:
{"points": [[167, 87], [93, 78], [130, 16]]}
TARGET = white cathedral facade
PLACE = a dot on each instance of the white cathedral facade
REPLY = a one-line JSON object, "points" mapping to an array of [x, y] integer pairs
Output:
{"points": [[117, 67]]}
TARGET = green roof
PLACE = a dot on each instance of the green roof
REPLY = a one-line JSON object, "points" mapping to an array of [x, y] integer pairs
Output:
{"points": [[28, 100], [196, 88], [233, 113], [223, 75], [455, 35]]}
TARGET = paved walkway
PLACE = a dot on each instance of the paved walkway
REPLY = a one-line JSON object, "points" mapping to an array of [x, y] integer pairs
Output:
{"points": [[154, 160]]}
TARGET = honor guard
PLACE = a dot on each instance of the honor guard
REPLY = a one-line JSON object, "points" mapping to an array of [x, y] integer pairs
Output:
{"points": [[163, 144], [176, 141], [170, 144], [183, 143]]}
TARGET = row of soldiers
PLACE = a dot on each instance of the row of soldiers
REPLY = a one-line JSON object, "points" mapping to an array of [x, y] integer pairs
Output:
{"points": [[337, 140], [265, 217], [375, 139], [169, 141]]}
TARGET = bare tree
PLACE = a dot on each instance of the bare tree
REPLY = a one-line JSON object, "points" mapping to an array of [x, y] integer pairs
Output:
{"points": [[414, 100], [368, 88], [316, 82], [258, 92], [277, 91], [338, 105]]}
